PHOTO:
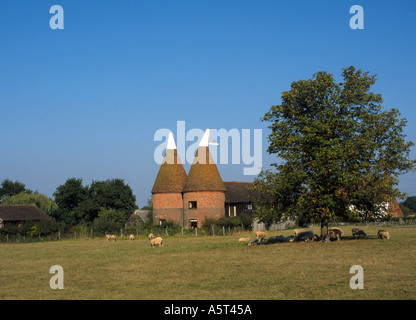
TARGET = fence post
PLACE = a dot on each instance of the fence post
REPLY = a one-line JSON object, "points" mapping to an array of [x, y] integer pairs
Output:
{"points": [[59, 235], [167, 231], [75, 234], [223, 230], [196, 231], [213, 232], [182, 231]]}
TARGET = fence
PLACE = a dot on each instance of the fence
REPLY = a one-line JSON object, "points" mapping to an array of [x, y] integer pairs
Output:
{"points": [[213, 230], [122, 233]]}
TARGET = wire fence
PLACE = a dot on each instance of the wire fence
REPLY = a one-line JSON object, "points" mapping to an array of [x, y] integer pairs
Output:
{"points": [[79, 233]]}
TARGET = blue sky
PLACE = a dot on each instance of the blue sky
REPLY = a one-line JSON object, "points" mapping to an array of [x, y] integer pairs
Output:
{"points": [[86, 101]]}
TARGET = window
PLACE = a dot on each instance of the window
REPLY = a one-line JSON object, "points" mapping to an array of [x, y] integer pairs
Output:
{"points": [[193, 223], [249, 206], [192, 205], [232, 211]]}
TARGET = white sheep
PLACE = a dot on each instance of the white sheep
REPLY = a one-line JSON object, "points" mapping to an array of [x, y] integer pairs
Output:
{"points": [[150, 236], [156, 241], [107, 237], [113, 237], [381, 234], [358, 232], [335, 233], [131, 237], [260, 234]]}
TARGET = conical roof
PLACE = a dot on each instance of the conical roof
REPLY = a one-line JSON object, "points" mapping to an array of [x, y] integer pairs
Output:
{"points": [[172, 175], [203, 174]]}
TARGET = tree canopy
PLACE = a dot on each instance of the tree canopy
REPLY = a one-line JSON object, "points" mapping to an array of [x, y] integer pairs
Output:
{"points": [[82, 204], [9, 188], [337, 148]]}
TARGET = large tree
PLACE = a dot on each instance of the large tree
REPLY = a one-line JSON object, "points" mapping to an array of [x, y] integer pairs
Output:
{"points": [[80, 204], [338, 149], [9, 188], [69, 197]]}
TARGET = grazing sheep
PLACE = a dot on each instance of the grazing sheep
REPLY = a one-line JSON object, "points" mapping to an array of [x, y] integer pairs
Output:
{"points": [[113, 237], [150, 236], [244, 239], [156, 241], [358, 232], [107, 237], [333, 235], [381, 234], [131, 237], [296, 231], [253, 242], [304, 236], [341, 232], [260, 234], [337, 231]]}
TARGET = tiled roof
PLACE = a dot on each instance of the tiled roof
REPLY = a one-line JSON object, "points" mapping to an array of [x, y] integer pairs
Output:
{"points": [[203, 174], [238, 192], [171, 176], [21, 213]]}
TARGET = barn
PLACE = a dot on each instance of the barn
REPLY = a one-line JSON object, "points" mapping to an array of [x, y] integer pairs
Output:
{"points": [[188, 199], [17, 214]]}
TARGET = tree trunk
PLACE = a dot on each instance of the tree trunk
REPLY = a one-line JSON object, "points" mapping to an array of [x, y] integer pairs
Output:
{"points": [[324, 228]]}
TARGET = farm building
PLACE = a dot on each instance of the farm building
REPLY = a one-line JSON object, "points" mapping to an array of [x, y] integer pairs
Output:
{"points": [[137, 218], [188, 199], [17, 214]]}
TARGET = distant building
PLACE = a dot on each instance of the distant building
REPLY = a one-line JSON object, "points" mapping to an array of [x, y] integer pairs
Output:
{"points": [[137, 218], [189, 199], [17, 214]]}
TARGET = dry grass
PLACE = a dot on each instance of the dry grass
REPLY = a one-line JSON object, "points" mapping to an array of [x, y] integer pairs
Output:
{"points": [[213, 268]]}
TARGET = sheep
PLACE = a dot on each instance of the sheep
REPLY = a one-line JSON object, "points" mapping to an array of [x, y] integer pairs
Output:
{"points": [[150, 236], [244, 239], [381, 234], [113, 237], [333, 235], [296, 231], [260, 234], [338, 232], [156, 241], [304, 236], [131, 237], [358, 232], [107, 237]]}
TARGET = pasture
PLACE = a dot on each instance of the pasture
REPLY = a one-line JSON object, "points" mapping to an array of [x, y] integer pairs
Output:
{"points": [[213, 267]]}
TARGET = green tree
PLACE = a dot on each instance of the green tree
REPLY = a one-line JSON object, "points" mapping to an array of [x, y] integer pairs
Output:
{"points": [[42, 201], [80, 204], [9, 188], [338, 149], [68, 197], [109, 194], [109, 220]]}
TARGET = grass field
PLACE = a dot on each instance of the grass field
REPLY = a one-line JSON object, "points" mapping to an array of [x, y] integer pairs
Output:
{"points": [[213, 268]]}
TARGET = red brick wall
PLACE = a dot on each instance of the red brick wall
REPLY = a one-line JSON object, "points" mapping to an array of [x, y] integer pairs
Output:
{"points": [[167, 206], [172, 207], [209, 204]]}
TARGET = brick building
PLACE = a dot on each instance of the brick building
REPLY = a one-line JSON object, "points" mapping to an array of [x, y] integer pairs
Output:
{"points": [[188, 199]]}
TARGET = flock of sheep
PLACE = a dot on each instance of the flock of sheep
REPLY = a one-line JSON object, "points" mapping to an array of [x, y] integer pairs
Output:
{"points": [[334, 234], [158, 241], [261, 238]]}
